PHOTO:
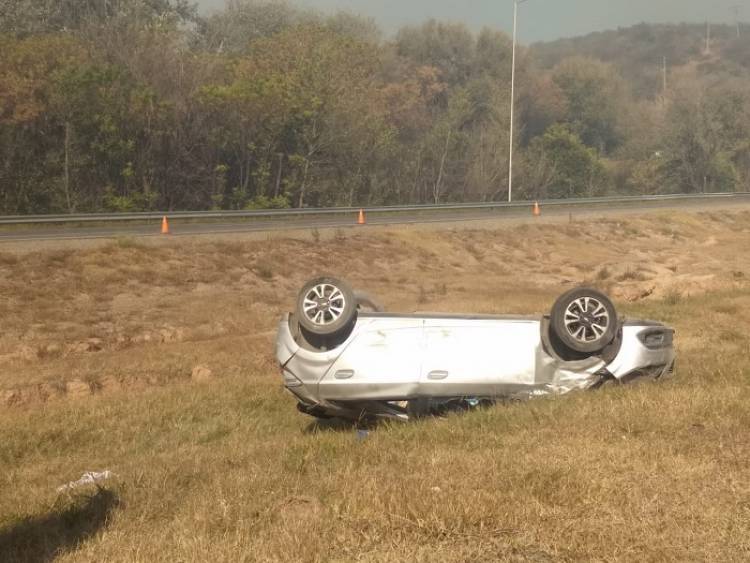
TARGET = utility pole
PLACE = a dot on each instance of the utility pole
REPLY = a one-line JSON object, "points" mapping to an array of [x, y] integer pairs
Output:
{"points": [[513, 97], [736, 12], [664, 76], [708, 38]]}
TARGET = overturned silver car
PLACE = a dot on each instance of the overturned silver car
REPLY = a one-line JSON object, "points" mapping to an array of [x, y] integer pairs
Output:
{"points": [[342, 356]]}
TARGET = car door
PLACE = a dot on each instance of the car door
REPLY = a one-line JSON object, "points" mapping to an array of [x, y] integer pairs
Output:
{"points": [[383, 362], [478, 357]]}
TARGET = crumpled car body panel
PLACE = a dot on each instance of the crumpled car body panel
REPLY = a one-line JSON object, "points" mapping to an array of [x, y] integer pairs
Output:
{"points": [[390, 363]]}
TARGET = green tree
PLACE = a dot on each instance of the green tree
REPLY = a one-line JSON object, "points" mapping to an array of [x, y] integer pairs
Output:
{"points": [[33, 174], [706, 133], [24, 17], [445, 148], [542, 104], [487, 140], [243, 21], [307, 99], [571, 169], [445, 46], [648, 177], [594, 96]]}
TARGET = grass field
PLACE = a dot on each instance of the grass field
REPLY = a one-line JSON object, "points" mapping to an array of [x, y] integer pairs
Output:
{"points": [[155, 362]]}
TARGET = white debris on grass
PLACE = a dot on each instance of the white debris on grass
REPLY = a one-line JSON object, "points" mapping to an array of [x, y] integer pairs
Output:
{"points": [[88, 478]]}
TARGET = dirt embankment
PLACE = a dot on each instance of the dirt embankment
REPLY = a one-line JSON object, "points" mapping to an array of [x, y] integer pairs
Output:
{"points": [[126, 315]]}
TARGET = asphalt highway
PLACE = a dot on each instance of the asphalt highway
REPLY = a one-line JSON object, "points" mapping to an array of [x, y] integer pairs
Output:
{"points": [[179, 228]]}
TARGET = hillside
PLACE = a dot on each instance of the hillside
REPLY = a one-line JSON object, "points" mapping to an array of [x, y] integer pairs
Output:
{"points": [[638, 52]]}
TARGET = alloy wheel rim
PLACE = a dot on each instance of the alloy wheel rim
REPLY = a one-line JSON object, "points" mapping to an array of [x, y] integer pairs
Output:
{"points": [[586, 319], [324, 304]]}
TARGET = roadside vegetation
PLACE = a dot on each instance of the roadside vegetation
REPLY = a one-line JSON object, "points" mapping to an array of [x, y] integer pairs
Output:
{"points": [[129, 105], [155, 361]]}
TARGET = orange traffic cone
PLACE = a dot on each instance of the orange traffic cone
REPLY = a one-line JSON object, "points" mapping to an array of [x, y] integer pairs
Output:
{"points": [[361, 220], [537, 211], [164, 226]]}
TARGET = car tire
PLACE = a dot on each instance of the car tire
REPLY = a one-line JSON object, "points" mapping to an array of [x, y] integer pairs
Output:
{"points": [[584, 320], [367, 302], [326, 306]]}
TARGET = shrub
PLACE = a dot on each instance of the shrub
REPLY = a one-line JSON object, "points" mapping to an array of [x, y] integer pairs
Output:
{"points": [[265, 202]]}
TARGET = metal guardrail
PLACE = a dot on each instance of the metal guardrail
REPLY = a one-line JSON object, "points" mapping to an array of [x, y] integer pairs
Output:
{"points": [[280, 213]]}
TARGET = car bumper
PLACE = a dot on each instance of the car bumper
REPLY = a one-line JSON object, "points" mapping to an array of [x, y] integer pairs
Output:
{"points": [[636, 359]]}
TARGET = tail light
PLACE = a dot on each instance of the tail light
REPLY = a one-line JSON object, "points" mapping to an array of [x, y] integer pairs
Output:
{"points": [[657, 339]]}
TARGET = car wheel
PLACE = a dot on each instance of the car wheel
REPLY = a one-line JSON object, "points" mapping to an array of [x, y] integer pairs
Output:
{"points": [[368, 302], [326, 306], [584, 320]]}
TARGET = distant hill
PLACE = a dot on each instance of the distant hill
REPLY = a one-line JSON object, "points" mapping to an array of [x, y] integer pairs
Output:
{"points": [[637, 52]]}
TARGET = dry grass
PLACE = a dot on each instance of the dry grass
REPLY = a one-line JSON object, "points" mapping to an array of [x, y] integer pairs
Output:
{"points": [[226, 470]]}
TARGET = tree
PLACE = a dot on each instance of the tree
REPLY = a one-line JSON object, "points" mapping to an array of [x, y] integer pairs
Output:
{"points": [[706, 132], [410, 100], [25, 17], [648, 177], [445, 46], [487, 140], [306, 93], [594, 95], [542, 104], [493, 55], [243, 21], [635, 52], [136, 105], [568, 167], [29, 127], [443, 150]]}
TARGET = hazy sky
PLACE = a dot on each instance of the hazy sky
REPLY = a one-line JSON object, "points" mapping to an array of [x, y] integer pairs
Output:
{"points": [[539, 19]]}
